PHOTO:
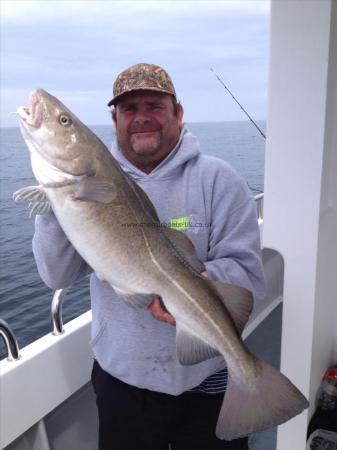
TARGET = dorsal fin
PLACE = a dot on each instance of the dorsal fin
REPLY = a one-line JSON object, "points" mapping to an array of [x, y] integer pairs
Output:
{"points": [[185, 249], [146, 201], [181, 244]]}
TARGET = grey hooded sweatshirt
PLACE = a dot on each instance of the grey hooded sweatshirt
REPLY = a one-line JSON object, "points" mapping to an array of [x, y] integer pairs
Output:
{"points": [[204, 198]]}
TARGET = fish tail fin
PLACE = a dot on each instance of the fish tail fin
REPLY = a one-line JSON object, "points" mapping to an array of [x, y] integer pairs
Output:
{"points": [[266, 403]]}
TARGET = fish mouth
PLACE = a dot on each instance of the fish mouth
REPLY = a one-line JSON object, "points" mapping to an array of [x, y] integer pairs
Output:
{"points": [[31, 115]]}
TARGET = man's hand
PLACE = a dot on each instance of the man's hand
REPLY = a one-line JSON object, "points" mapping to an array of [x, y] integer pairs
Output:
{"points": [[159, 312]]}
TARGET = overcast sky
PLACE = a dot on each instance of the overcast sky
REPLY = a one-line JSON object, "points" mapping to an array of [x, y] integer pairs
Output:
{"points": [[74, 49]]}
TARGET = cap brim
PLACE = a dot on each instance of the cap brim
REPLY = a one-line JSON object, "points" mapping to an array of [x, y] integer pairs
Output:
{"points": [[118, 97]]}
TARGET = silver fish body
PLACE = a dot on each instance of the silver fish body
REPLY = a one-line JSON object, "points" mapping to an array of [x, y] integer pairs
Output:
{"points": [[101, 210]]}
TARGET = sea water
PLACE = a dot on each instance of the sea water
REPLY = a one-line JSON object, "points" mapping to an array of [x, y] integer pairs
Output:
{"points": [[24, 299]]}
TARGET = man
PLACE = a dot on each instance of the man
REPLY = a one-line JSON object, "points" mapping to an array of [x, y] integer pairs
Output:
{"points": [[145, 398]]}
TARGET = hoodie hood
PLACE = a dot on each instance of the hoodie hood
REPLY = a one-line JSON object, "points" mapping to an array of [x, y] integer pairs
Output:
{"points": [[186, 149]]}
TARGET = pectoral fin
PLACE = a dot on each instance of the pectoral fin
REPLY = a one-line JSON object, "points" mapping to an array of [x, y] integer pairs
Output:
{"points": [[94, 190], [36, 197], [190, 348]]}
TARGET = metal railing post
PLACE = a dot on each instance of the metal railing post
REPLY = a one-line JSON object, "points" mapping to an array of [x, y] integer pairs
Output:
{"points": [[10, 340], [56, 311], [259, 204]]}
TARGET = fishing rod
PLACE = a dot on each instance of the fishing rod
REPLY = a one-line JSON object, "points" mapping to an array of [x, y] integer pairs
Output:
{"points": [[243, 109], [255, 124]]}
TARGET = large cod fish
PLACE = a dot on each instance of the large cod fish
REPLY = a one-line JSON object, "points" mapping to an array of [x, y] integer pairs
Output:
{"points": [[93, 200]]}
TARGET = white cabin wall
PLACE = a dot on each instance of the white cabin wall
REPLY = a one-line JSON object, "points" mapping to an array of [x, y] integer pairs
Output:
{"points": [[330, 168], [301, 190]]}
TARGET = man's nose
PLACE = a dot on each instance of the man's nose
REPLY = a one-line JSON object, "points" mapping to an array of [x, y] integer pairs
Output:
{"points": [[142, 117]]}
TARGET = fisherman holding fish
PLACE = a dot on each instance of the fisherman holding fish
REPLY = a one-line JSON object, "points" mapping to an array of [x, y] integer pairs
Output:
{"points": [[171, 239]]}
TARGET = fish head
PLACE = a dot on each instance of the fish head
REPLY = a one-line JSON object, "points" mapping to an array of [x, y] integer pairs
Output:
{"points": [[61, 146]]}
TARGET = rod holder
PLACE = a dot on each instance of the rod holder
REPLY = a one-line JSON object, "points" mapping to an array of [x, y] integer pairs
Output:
{"points": [[10, 341], [56, 311]]}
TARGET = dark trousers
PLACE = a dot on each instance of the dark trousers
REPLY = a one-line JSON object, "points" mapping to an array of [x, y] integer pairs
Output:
{"points": [[138, 419]]}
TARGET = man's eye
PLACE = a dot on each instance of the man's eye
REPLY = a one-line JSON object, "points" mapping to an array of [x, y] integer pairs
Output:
{"points": [[155, 107], [127, 109]]}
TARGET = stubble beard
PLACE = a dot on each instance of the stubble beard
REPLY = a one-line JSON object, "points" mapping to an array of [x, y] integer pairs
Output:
{"points": [[147, 148]]}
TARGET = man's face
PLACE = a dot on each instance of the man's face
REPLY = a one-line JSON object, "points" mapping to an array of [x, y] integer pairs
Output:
{"points": [[147, 127]]}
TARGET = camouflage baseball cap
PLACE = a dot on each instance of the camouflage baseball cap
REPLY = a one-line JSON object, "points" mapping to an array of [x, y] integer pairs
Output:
{"points": [[142, 76]]}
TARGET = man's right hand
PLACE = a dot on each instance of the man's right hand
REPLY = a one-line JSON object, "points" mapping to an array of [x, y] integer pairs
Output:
{"points": [[159, 312]]}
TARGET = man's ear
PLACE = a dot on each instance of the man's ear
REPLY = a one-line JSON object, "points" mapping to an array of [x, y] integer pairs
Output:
{"points": [[114, 115], [180, 114]]}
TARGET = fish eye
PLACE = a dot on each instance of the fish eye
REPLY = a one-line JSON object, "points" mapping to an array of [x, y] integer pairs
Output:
{"points": [[65, 120]]}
